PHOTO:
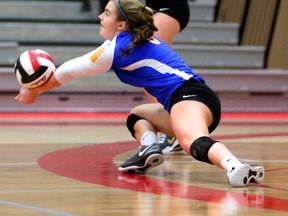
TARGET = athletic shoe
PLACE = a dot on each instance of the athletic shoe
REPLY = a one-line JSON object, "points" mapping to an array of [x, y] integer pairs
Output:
{"points": [[170, 145], [146, 158], [245, 174]]}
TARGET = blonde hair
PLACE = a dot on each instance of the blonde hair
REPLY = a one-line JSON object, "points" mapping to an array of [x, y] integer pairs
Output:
{"points": [[139, 20]]}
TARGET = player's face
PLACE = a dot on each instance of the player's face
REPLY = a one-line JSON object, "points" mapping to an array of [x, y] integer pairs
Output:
{"points": [[110, 26]]}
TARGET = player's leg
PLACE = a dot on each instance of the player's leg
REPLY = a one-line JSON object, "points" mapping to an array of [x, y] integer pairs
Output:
{"points": [[168, 27], [169, 144], [143, 123], [190, 121], [156, 115]]}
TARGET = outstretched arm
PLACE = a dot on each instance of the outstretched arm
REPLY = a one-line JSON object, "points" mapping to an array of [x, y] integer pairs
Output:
{"points": [[95, 62], [29, 95]]}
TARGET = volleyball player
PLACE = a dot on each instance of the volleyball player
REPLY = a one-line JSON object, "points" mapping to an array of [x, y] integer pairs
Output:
{"points": [[188, 109]]}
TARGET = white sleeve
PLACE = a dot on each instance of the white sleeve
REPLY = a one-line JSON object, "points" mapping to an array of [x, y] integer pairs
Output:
{"points": [[95, 62]]}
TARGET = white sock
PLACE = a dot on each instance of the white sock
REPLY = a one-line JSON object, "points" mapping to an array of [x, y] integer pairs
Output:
{"points": [[230, 162], [148, 138]]}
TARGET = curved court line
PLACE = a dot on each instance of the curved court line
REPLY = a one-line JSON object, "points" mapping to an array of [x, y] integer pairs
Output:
{"points": [[34, 208], [94, 164]]}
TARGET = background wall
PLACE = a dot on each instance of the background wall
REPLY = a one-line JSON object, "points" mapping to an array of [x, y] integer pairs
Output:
{"points": [[263, 23], [278, 53]]}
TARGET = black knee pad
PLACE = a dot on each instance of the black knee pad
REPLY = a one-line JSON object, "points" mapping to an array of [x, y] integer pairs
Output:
{"points": [[131, 121], [200, 147]]}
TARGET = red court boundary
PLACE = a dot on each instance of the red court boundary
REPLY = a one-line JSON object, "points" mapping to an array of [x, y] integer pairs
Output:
{"points": [[120, 115], [94, 164]]}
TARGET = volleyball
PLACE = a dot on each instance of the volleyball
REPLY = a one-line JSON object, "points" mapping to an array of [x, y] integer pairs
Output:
{"points": [[33, 68]]}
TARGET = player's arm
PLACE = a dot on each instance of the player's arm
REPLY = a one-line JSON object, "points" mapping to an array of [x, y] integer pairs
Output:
{"points": [[96, 62], [29, 95], [93, 63]]}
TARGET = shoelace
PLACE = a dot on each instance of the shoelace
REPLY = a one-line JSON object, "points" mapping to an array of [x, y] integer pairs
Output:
{"points": [[162, 138]]}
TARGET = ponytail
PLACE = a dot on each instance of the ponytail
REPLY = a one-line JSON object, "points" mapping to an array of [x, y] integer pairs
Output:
{"points": [[139, 20]]}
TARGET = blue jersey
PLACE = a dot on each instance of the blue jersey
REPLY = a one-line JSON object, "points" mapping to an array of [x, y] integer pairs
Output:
{"points": [[154, 66]]}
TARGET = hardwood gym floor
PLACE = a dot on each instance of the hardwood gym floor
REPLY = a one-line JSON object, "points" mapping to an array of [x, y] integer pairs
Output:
{"points": [[66, 164]]}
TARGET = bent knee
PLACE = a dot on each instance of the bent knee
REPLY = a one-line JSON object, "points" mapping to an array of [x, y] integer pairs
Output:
{"points": [[200, 148]]}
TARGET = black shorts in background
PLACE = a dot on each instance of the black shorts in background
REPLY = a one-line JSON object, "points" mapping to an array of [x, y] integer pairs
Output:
{"points": [[178, 9]]}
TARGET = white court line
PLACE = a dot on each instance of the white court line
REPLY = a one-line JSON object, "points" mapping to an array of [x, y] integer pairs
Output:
{"points": [[34, 208], [263, 161]]}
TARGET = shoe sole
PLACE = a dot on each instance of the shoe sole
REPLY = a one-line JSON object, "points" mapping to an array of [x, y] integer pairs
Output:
{"points": [[259, 178], [247, 174], [151, 162]]}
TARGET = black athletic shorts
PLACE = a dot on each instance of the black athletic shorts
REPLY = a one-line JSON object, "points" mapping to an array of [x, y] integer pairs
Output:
{"points": [[178, 9], [198, 91]]}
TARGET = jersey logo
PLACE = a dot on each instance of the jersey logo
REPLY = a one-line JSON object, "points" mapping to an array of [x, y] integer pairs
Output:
{"points": [[96, 54], [154, 41]]}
